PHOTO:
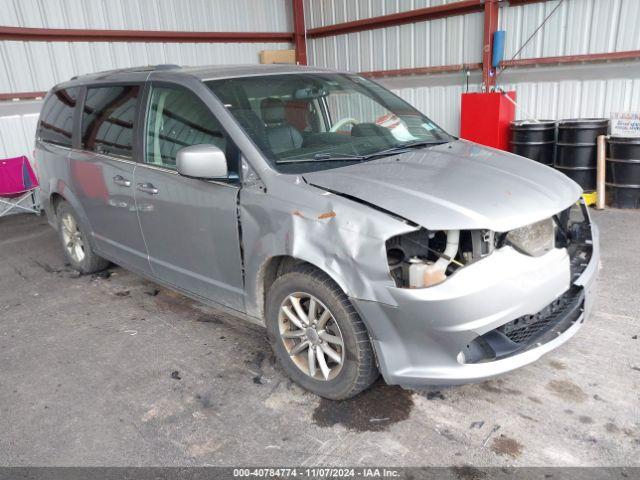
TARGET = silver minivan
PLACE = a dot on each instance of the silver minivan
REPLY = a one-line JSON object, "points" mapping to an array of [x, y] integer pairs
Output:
{"points": [[364, 237]]}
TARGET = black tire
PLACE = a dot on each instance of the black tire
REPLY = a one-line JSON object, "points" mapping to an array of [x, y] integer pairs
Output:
{"points": [[91, 262], [358, 369]]}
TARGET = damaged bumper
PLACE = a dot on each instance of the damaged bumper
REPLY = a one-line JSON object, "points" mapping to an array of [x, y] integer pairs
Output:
{"points": [[491, 317]]}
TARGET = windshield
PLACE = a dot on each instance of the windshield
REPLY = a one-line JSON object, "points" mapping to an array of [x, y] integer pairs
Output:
{"points": [[307, 122]]}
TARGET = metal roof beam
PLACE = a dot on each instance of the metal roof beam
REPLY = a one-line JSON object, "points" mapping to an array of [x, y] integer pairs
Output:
{"points": [[159, 36], [402, 18]]}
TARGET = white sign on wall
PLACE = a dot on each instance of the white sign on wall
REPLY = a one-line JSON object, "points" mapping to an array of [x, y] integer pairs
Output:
{"points": [[625, 124]]}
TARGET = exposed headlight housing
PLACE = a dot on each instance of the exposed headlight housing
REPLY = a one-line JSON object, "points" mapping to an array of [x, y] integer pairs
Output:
{"points": [[425, 258], [535, 239]]}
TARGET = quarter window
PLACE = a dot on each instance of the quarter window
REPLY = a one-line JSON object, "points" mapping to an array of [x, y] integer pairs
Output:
{"points": [[108, 120], [176, 118], [56, 119]]}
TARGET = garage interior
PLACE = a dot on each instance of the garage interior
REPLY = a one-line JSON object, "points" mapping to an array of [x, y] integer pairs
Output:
{"points": [[113, 370]]}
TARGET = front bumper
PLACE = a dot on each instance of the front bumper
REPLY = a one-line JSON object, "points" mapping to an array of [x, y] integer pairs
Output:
{"points": [[431, 336]]}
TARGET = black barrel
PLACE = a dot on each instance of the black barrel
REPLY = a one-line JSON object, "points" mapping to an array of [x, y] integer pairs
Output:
{"points": [[576, 152], [534, 140], [623, 172]]}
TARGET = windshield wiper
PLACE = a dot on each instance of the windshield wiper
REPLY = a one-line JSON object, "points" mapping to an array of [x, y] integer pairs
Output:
{"points": [[337, 156], [405, 147], [322, 157], [423, 143], [346, 157]]}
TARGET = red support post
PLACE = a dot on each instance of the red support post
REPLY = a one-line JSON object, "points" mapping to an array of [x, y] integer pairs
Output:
{"points": [[299, 32], [490, 27]]}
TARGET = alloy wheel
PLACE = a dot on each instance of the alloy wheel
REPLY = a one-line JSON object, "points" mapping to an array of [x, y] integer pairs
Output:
{"points": [[311, 336], [72, 238]]}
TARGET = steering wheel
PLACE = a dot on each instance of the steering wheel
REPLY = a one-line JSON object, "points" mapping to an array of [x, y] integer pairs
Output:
{"points": [[336, 127]]}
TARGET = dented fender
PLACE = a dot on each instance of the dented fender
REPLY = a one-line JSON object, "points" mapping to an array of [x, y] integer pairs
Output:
{"points": [[343, 238]]}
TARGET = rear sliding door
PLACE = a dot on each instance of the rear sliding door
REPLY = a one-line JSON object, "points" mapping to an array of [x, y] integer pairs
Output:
{"points": [[102, 172]]}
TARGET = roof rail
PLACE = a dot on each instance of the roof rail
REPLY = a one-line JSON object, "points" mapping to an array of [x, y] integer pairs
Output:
{"points": [[167, 66], [147, 68]]}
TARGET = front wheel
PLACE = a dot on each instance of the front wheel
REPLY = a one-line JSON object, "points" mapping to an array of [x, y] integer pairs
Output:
{"points": [[317, 335]]}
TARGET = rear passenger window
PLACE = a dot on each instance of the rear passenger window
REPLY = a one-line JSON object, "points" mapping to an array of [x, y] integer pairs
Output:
{"points": [[56, 119], [108, 120], [176, 118]]}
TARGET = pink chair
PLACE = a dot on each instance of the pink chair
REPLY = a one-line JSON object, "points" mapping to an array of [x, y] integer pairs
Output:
{"points": [[18, 185]]}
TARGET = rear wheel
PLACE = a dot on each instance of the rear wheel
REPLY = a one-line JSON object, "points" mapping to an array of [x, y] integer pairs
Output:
{"points": [[75, 242], [317, 335]]}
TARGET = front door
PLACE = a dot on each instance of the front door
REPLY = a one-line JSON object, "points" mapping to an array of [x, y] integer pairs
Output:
{"points": [[102, 172], [190, 226]]}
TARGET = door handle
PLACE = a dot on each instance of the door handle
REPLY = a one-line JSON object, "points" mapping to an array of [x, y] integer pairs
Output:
{"points": [[147, 188], [120, 180]]}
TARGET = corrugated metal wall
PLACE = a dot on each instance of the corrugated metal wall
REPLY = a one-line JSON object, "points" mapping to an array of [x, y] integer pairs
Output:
{"points": [[37, 66], [319, 13], [179, 15], [17, 128], [446, 41], [578, 27], [543, 93]]}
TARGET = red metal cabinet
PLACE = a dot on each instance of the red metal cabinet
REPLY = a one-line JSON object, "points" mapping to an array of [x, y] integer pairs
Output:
{"points": [[485, 118]]}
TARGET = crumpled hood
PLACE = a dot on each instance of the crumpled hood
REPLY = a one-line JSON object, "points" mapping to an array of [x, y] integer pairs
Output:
{"points": [[460, 185]]}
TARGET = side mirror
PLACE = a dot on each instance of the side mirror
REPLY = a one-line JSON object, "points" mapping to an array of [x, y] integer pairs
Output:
{"points": [[202, 161]]}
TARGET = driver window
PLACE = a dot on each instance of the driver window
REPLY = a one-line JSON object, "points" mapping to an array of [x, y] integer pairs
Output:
{"points": [[176, 118]]}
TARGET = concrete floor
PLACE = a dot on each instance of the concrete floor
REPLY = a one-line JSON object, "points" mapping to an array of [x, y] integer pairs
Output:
{"points": [[115, 371]]}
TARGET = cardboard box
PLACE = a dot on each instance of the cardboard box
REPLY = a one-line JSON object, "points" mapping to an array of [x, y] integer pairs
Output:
{"points": [[278, 56], [625, 124]]}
